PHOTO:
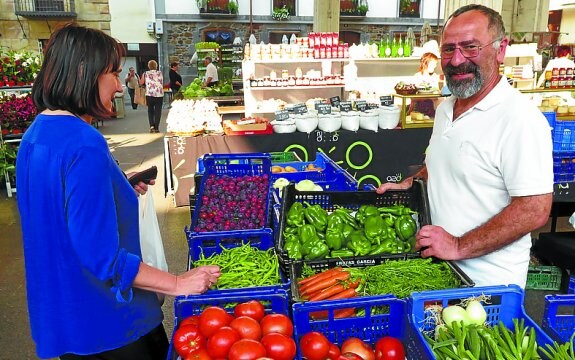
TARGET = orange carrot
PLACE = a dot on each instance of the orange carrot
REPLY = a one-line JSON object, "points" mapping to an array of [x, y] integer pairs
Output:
{"points": [[343, 313], [326, 293], [319, 276], [320, 285], [347, 293]]}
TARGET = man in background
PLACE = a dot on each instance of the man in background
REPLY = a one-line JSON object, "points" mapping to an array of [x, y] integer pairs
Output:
{"points": [[211, 76], [175, 78], [131, 82]]}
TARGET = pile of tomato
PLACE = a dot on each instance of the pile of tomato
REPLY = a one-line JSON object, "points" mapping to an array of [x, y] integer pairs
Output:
{"points": [[315, 346], [248, 334]]}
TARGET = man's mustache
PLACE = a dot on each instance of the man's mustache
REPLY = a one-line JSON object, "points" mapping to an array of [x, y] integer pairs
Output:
{"points": [[464, 68]]}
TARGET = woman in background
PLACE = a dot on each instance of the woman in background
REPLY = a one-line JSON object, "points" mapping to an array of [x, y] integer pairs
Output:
{"points": [[89, 294], [154, 81], [425, 77]]}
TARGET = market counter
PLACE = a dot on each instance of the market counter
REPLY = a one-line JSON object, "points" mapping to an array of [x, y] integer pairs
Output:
{"points": [[370, 157]]}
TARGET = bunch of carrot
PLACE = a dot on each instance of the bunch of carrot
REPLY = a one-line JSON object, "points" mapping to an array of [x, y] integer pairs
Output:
{"points": [[332, 284]]}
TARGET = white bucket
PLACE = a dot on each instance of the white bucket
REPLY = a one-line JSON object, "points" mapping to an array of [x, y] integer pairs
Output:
{"points": [[388, 117]]}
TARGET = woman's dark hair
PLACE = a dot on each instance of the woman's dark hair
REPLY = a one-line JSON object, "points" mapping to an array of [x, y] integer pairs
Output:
{"points": [[74, 59]]}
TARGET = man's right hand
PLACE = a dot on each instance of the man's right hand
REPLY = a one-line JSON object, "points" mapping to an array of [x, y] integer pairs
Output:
{"points": [[404, 185]]}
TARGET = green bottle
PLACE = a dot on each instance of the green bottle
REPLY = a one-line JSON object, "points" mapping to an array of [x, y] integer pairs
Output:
{"points": [[381, 48], [394, 48], [387, 48], [407, 47], [400, 48]]}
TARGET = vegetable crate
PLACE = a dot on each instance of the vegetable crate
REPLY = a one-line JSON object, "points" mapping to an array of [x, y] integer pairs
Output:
{"points": [[559, 317], [233, 165], [332, 176], [551, 117], [296, 268], [274, 301], [379, 316], [564, 135], [214, 243], [276, 157], [543, 278], [505, 305], [563, 166], [414, 198]]}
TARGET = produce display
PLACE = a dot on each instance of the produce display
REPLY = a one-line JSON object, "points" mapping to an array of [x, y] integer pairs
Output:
{"points": [[249, 333], [196, 89], [315, 346], [194, 117], [233, 203], [313, 234]]}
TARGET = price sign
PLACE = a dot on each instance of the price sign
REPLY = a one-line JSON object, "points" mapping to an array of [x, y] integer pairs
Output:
{"points": [[282, 115], [300, 109], [361, 105], [386, 100], [289, 108], [323, 109], [372, 106], [318, 103], [345, 106], [335, 101]]}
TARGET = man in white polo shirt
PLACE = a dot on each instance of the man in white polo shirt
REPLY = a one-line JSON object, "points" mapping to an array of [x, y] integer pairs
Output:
{"points": [[489, 164], [211, 76]]}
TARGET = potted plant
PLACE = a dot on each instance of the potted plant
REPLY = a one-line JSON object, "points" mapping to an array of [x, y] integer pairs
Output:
{"points": [[16, 113], [362, 9], [233, 7], [202, 5], [281, 14], [8, 161]]}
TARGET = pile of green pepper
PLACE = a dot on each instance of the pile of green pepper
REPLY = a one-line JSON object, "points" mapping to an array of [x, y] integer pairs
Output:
{"points": [[312, 233]]}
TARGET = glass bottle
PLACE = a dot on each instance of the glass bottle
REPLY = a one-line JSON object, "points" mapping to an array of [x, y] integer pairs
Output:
{"points": [[381, 48], [394, 48], [387, 48], [400, 47], [407, 47]]}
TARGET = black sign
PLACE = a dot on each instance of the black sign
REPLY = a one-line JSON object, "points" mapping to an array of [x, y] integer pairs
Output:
{"points": [[386, 100], [335, 101], [289, 108], [318, 103], [282, 115], [300, 109], [361, 105], [345, 106], [323, 108], [372, 106]]}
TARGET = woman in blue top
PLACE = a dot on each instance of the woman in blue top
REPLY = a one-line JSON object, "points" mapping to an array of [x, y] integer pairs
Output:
{"points": [[89, 294]]}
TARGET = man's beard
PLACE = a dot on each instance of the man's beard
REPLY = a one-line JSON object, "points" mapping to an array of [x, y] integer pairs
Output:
{"points": [[466, 88]]}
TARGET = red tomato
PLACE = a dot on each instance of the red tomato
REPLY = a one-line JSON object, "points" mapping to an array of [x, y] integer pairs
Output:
{"points": [[253, 309], [191, 320], [314, 346], [357, 346], [247, 349], [276, 323], [389, 348], [213, 318], [188, 338], [247, 327], [279, 347], [350, 356], [200, 354], [221, 341], [334, 352]]}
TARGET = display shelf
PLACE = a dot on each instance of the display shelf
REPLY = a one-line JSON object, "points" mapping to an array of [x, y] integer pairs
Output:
{"points": [[546, 90], [295, 61], [405, 101], [307, 87]]}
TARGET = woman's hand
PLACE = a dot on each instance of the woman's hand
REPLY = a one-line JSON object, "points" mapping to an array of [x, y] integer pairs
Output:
{"points": [[197, 280], [141, 188]]}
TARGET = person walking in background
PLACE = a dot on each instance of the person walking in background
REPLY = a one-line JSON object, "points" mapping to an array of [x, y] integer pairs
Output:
{"points": [[489, 164], [132, 81], [154, 81], [211, 76], [175, 78], [90, 296]]}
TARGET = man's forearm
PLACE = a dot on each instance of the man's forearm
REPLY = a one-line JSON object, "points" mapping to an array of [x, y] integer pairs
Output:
{"points": [[523, 215]]}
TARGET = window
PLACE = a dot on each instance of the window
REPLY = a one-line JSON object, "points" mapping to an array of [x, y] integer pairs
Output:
{"points": [[409, 8], [350, 37], [220, 36], [289, 4]]}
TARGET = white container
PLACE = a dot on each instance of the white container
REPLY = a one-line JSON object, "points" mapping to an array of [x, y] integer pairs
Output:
{"points": [[369, 120], [284, 126], [389, 117], [306, 122], [329, 123], [350, 120]]}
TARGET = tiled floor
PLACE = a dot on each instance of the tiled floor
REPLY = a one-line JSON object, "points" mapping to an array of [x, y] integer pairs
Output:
{"points": [[135, 149]]}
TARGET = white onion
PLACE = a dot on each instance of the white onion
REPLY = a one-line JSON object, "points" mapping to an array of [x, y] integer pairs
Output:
{"points": [[455, 313], [476, 312]]}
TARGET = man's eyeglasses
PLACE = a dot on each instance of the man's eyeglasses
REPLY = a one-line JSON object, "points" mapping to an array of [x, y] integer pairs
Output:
{"points": [[468, 51]]}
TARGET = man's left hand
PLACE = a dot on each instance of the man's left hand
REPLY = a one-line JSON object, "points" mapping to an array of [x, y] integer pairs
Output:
{"points": [[435, 241]]}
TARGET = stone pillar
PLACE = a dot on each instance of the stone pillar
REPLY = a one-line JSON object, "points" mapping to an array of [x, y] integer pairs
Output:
{"points": [[326, 16]]}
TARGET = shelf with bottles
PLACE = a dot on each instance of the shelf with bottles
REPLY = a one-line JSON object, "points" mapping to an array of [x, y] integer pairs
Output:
{"points": [[414, 116]]}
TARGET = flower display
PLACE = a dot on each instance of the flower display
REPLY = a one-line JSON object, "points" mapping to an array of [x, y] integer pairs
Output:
{"points": [[16, 113], [18, 67]]}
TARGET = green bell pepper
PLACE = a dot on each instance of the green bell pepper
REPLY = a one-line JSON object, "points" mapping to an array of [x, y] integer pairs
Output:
{"points": [[409, 244], [317, 250], [307, 232], [398, 209], [291, 230], [335, 221], [388, 219], [293, 249], [358, 243], [346, 232], [405, 227], [296, 215], [373, 226], [334, 239], [346, 217], [364, 211], [317, 216], [341, 253], [387, 246]]}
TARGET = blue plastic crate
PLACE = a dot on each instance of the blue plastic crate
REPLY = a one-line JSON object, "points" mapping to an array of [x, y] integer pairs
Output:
{"points": [[276, 157], [564, 135], [551, 117], [506, 305], [233, 165], [563, 166], [571, 289], [389, 319], [559, 317], [332, 175], [274, 301]]}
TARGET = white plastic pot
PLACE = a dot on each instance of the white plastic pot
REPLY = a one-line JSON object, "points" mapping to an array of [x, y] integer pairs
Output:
{"points": [[284, 126], [329, 123], [369, 120], [306, 123], [350, 120], [388, 117]]}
